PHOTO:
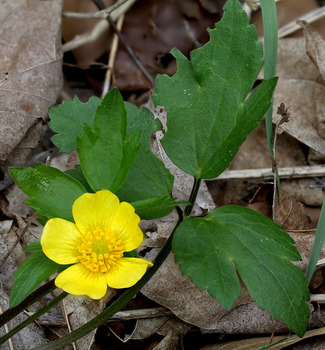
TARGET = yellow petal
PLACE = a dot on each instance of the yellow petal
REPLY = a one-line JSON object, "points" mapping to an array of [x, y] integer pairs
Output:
{"points": [[125, 224], [60, 240], [126, 272], [79, 280], [92, 209]]}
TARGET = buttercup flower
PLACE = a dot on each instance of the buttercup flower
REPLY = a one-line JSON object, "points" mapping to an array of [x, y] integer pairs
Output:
{"points": [[103, 230]]}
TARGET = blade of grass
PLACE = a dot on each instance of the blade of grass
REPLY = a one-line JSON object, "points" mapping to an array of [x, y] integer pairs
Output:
{"points": [[270, 26], [318, 244]]}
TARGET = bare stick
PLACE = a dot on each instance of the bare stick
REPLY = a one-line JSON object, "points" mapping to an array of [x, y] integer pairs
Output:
{"points": [[97, 30], [96, 15], [265, 174], [131, 53], [68, 322], [112, 57], [309, 17]]}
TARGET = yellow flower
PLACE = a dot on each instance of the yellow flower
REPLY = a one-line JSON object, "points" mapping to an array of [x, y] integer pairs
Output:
{"points": [[104, 229]]}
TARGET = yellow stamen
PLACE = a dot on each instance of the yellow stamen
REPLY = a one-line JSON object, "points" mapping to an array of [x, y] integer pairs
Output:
{"points": [[100, 249]]}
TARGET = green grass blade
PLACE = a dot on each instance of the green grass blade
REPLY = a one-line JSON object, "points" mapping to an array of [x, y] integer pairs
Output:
{"points": [[270, 25], [317, 246]]}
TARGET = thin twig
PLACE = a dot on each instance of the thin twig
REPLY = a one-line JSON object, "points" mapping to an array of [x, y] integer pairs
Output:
{"points": [[131, 53], [265, 174], [29, 222], [317, 298], [112, 56], [68, 322], [119, 316], [96, 15], [97, 30], [309, 17]]}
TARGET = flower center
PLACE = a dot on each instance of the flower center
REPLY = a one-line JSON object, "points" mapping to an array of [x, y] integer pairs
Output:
{"points": [[100, 249]]}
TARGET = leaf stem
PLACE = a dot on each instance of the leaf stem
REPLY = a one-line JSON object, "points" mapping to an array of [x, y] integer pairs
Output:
{"points": [[33, 317], [32, 298], [119, 303], [195, 191]]}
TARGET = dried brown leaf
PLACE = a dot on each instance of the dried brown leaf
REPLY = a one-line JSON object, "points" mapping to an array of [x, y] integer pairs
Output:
{"points": [[171, 328], [305, 99], [30, 61], [315, 46], [80, 310]]}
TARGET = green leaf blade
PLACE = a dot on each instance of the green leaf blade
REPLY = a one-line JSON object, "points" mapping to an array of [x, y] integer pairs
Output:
{"points": [[67, 119], [231, 238], [205, 98], [51, 191], [152, 208], [148, 179], [31, 273], [105, 153]]}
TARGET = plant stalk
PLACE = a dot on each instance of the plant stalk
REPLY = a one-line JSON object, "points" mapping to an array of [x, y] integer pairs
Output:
{"points": [[195, 191]]}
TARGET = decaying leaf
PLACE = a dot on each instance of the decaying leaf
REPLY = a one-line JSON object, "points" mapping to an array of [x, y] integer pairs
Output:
{"points": [[30, 336], [315, 46], [80, 310], [301, 89], [171, 328], [30, 61], [306, 100]]}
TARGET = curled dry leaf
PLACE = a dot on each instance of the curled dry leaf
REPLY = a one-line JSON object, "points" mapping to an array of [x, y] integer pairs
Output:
{"points": [[315, 46], [301, 89], [30, 61]]}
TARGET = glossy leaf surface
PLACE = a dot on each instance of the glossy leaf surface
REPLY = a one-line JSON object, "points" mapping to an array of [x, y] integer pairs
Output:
{"points": [[51, 191]]}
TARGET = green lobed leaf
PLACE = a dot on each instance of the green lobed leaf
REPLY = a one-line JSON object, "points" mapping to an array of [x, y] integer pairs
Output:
{"points": [[148, 178], [33, 271], [105, 153], [212, 249], [67, 118], [51, 191], [207, 118], [148, 209]]}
